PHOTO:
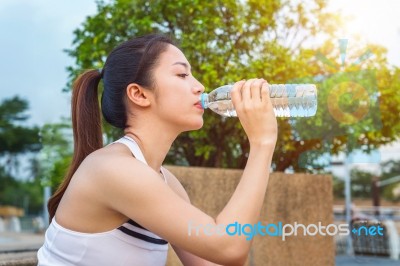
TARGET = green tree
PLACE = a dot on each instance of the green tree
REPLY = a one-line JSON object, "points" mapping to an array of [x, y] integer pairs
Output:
{"points": [[390, 169], [15, 139], [338, 187], [8, 186], [226, 41], [25, 194], [361, 182], [378, 123], [54, 158]]}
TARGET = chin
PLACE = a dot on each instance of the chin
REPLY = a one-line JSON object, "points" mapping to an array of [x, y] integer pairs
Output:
{"points": [[195, 124], [198, 126], [200, 123]]}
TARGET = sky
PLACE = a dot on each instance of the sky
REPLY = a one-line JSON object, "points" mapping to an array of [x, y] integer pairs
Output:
{"points": [[374, 21], [33, 34]]}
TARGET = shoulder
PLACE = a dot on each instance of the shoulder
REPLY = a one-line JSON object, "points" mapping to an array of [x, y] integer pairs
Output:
{"points": [[113, 166], [111, 158], [115, 177], [176, 185]]}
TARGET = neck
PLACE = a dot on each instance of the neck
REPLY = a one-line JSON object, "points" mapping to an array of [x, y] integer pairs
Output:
{"points": [[154, 144]]}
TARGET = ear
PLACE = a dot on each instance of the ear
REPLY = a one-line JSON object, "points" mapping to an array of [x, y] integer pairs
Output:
{"points": [[138, 95]]}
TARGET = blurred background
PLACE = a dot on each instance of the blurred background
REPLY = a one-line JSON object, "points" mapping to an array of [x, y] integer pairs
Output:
{"points": [[350, 49]]}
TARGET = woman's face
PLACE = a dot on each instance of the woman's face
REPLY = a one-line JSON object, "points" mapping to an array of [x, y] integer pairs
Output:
{"points": [[178, 92]]}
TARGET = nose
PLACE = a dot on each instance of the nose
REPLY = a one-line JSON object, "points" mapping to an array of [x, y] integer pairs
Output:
{"points": [[198, 87]]}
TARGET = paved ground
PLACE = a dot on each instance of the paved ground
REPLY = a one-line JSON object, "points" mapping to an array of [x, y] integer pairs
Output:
{"points": [[19, 248], [18, 259], [10, 242]]}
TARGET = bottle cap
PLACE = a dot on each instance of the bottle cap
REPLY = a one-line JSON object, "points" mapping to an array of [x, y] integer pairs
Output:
{"points": [[204, 100]]}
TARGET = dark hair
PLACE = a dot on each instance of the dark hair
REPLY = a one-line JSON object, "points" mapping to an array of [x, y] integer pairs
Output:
{"points": [[130, 62]]}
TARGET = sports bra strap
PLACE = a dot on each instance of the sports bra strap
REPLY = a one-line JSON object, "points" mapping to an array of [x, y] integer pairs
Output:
{"points": [[136, 152]]}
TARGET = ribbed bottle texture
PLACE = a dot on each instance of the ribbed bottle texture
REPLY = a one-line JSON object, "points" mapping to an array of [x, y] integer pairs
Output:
{"points": [[288, 100]]}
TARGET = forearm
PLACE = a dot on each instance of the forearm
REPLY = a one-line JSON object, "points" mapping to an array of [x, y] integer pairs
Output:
{"points": [[247, 200]]}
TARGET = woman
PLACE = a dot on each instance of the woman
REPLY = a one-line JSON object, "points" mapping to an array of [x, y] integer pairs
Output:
{"points": [[118, 205]]}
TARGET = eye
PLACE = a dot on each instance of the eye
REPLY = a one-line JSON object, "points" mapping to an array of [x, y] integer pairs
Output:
{"points": [[184, 75]]}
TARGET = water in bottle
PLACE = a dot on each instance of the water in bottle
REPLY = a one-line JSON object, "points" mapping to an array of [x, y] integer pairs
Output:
{"points": [[288, 100]]}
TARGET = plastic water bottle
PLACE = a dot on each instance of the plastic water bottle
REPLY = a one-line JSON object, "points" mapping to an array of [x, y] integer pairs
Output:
{"points": [[288, 100]]}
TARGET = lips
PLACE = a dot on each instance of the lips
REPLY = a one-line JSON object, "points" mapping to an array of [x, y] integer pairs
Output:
{"points": [[198, 104]]}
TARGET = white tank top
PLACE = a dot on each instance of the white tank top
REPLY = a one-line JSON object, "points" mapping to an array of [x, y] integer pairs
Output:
{"points": [[130, 244]]}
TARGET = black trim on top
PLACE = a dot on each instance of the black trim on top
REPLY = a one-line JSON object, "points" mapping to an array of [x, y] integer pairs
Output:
{"points": [[143, 237], [132, 222]]}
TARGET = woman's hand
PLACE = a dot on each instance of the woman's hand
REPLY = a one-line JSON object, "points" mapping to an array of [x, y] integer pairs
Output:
{"points": [[255, 112]]}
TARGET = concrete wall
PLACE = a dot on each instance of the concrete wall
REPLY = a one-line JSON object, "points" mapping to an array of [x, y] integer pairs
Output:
{"points": [[291, 198]]}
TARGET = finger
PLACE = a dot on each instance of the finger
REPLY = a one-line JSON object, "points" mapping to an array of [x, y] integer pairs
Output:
{"points": [[236, 92], [246, 90], [265, 92], [256, 90]]}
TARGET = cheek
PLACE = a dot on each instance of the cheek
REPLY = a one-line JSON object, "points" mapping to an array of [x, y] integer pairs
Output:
{"points": [[167, 92], [172, 97], [169, 102], [177, 112]]}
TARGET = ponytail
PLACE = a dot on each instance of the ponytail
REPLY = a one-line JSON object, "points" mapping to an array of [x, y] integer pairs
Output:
{"points": [[86, 124], [131, 62]]}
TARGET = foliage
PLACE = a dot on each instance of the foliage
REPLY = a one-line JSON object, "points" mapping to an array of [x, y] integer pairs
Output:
{"points": [[370, 88], [391, 169], [7, 188], [361, 182], [25, 194], [16, 139], [338, 187], [12, 115], [56, 155], [226, 41]]}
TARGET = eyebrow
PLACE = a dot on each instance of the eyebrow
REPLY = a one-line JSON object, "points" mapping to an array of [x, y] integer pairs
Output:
{"points": [[182, 64]]}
